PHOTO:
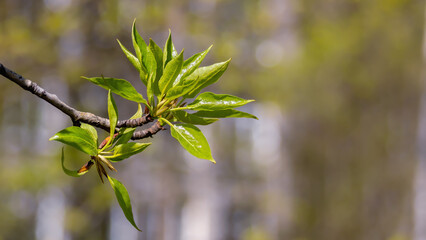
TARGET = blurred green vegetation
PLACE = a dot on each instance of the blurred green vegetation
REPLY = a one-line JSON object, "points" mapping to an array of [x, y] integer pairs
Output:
{"points": [[343, 79]]}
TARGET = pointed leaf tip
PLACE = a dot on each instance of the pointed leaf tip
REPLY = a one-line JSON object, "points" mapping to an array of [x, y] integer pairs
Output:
{"points": [[192, 139], [118, 86], [123, 199], [227, 113], [78, 138], [209, 101]]}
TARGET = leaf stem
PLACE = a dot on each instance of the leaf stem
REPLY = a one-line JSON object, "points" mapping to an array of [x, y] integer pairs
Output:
{"points": [[161, 111], [107, 153], [166, 121], [179, 108]]}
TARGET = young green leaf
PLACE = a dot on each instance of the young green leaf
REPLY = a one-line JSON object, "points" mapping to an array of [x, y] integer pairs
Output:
{"points": [[138, 43], [78, 138], [120, 87], [227, 113], [209, 101], [125, 134], [138, 113], [170, 73], [141, 53], [185, 117], [169, 51], [126, 150], [123, 199], [91, 130], [112, 114], [181, 89], [150, 89], [206, 76], [132, 59], [70, 172], [190, 65], [158, 54], [150, 62], [192, 139]]}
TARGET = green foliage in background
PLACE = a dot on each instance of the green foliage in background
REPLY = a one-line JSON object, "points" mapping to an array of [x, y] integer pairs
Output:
{"points": [[170, 81]]}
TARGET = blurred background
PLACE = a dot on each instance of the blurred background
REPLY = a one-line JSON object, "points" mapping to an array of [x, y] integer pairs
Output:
{"points": [[338, 152]]}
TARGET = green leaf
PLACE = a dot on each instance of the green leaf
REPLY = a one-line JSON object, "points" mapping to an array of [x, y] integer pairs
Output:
{"points": [[209, 101], [78, 138], [126, 150], [138, 43], [192, 139], [185, 117], [150, 62], [227, 113], [125, 134], [132, 59], [70, 172], [150, 90], [170, 73], [206, 76], [123, 199], [143, 76], [181, 89], [158, 54], [120, 87], [152, 72], [190, 65], [169, 51], [138, 113], [112, 114], [91, 130], [141, 52]]}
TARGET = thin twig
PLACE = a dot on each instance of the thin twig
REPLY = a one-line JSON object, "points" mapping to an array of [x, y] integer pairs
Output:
{"points": [[75, 115]]}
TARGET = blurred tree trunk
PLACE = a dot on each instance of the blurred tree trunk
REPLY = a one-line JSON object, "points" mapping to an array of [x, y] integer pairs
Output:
{"points": [[420, 185], [355, 119]]}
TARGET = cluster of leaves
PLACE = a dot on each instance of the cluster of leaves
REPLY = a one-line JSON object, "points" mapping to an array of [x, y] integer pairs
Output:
{"points": [[170, 80]]}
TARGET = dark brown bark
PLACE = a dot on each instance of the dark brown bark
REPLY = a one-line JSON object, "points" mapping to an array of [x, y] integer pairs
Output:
{"points": [[78, 116]]}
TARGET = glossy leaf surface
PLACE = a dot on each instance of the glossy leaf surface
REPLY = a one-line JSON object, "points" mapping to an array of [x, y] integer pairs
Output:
{"points": [[150, 62], [123, 199], [209, 101], [227, 113], [190, 65], [138, 43], [185, 117], [170, 73], [169, 51], [78, 138], [126, 150], [158, 55], [181, 89], [118, 86], [192, 139], [207, 76]]}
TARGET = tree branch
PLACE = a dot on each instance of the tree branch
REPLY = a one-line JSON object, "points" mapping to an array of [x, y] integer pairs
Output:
{"points": [[149, 132], [78, 116]]}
